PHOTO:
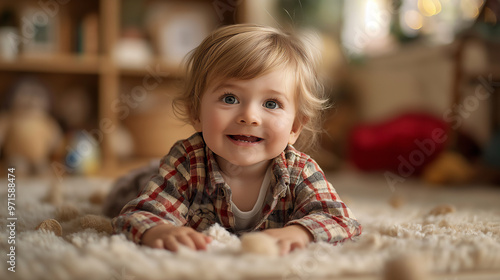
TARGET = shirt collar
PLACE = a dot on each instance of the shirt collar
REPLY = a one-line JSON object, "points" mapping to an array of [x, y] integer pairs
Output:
{"points": [[214, 173], [281, 175]]}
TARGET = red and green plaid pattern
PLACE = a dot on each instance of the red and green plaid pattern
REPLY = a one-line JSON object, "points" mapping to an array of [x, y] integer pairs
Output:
{"points": [[189, 191]]}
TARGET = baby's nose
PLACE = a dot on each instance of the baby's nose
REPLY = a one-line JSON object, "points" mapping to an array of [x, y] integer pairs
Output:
{"points": [[250, 116]]}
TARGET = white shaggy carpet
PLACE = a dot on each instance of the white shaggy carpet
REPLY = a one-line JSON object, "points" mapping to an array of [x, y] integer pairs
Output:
{"points": [[450, 246]]}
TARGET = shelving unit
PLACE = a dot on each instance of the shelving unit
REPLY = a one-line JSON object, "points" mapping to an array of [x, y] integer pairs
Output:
{"points": [[99, 71], [58, 64]]}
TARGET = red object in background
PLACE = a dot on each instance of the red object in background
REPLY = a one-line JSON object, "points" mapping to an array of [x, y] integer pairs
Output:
{"points": [[403, 145]]}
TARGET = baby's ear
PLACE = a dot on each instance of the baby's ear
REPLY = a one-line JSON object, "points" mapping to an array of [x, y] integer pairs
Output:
{"points": [[298, 124], [197, 125]]}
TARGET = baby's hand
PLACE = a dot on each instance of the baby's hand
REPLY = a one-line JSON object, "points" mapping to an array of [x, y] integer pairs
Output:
{"points": [[169, 237], [290, 237]]}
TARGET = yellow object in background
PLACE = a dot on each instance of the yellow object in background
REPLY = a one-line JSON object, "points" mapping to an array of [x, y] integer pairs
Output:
{"points": [[83, 157], [448, 168]]}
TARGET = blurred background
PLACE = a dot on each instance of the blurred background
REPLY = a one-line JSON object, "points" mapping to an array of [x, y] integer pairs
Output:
{"points": [[86, 86]]}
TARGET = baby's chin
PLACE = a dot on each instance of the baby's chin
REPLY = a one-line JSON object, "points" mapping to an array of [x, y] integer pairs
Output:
{"points": [[238, 163]]}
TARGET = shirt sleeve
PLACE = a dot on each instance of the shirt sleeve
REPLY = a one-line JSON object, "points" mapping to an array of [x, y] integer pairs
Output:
{"points": [[165, 198], [319, 209]]}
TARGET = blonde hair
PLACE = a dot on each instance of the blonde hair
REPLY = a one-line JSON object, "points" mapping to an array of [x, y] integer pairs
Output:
{"points": [[246, 51]]}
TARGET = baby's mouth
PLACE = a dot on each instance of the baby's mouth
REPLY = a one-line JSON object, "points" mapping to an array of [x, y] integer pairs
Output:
{"points": [[245, 138]]}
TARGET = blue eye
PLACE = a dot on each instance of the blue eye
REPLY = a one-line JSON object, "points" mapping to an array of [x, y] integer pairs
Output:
{"points": [[271, 104], [230, 99]]}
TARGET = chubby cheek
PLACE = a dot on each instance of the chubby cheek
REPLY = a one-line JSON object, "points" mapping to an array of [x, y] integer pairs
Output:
{"points": [[213, 126], [208, 119], [279, 129], [215, 121]]}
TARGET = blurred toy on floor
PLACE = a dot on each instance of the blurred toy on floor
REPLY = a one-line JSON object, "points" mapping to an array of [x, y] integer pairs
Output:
{"points": [[29, 135], [448, 168]]}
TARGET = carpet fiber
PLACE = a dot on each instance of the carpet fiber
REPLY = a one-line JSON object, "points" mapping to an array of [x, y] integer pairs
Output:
{"points": [[440, 231]]}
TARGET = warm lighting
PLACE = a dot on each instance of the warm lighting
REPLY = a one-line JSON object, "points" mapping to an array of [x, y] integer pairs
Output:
{"points": [[366, 27], [413, 19], [489, 16], [374, 24], [429, 7], [470, 8]]}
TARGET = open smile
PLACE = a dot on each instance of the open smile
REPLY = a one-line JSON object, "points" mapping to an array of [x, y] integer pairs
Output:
{"points": [[245, 139]]}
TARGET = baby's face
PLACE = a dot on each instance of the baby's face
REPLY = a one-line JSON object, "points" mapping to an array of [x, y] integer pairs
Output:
{"points": [[247, 122]]}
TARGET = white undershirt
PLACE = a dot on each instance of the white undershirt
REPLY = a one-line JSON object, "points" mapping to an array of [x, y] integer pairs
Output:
{"points": [[245, 220]]}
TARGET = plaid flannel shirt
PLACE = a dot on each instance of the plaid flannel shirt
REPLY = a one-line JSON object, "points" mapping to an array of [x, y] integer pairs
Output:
{"points": [[190, 191]]}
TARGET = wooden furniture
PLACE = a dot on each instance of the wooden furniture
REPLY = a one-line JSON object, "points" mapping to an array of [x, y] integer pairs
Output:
{"points": [[476, 76], [104, 79]]}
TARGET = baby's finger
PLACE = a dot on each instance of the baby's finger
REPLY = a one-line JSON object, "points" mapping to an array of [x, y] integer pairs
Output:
{"points": [[186, 241], [158, 244], [208, 239], [297, 245], [199, 241], [170, 243], [284, 247]]}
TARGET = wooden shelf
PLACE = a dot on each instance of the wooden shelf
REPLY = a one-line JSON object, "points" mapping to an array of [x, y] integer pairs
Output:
{"points": [[108, 76], [76, 64], [156, 66]]}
